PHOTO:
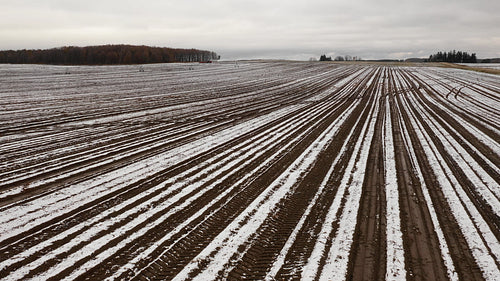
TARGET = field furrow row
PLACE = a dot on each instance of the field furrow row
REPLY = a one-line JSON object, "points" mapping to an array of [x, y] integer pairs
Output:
{"points": [[249, 171]]}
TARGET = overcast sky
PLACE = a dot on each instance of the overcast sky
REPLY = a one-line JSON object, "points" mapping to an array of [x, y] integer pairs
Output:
{"points": [[239, 29]]}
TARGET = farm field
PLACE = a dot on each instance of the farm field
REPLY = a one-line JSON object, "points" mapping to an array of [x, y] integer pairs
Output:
{"points": [[483, 65], [256, 170]]}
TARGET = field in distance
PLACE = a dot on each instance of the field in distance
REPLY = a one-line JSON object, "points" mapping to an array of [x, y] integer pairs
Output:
{"points": [[252, 170]]}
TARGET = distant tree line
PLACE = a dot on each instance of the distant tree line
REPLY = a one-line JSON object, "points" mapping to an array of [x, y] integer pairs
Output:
{"points": [[495, 60], [453, 56], [325, 58], [339, 58], [106, 54], [347, 58]]}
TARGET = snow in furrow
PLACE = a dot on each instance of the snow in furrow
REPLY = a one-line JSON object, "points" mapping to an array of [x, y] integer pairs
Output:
{"points": [[483, 183], [395, 251], [210, 173], [480, 135], [471, 222], [443, 245], [467, 142], [288, 244], [145, 162], [280, 260], [72, 197], [338, 256], [87, 94], [351, 184], [92, 154], [490, 164], [440, 100], [220, 251], [102, 241], [312, 265], [157, 244], [190, 186], [210, 170]]}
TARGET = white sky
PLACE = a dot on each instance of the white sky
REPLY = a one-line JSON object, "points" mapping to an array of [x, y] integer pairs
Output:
{"points": [[259, 28]]}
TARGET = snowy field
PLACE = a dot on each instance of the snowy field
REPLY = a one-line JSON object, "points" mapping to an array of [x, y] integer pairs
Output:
{"points": [[483, 65], [254, 170]]}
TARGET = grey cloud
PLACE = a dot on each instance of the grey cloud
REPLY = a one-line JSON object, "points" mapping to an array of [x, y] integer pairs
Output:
{"points": [[263, 28]]}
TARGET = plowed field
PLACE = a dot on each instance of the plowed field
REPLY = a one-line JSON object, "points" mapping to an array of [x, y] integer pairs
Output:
{"points": [[255, 170]]}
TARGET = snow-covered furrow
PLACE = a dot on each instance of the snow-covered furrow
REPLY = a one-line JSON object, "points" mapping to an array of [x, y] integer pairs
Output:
{"points": [[72, 197], [338, 254], [470, 101], [101, 94], [50, 146], [493, 144], [143, 217], [130, 75], [241, 181], [395, 252], [447, 85], [443, 245], [350, 191], [128, 80], [168, 109], [186, 186], [189, 158], [207, 171], [111, 157], [482, 181], [440, 101], [278, 263], [482, 242], [466, 142], [100, 152], [25, 143], [223, 248], [486, 83], [323, 74], [475, 113], [476, 98], [157, 244]]}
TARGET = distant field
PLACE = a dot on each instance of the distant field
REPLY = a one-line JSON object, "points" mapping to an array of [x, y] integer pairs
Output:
{"points": [[483, 65], [249, 170]]}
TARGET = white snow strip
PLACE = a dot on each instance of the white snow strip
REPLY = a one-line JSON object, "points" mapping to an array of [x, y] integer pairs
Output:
{"points": [[157, 244], [149, 213], [443, 245], [102, 241], [484, 183], [84, 157], [213, 171], [395, 251], [486, 251], [221, 250], [353, 171], [117, 219], [195, 181], [43, 209], [278, 263], [338, 256], [480, 135]]}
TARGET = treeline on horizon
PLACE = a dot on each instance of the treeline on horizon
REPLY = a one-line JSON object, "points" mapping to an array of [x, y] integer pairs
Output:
{"points": [[451, 56], [454, 57], [106, 54]]}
